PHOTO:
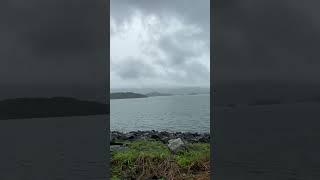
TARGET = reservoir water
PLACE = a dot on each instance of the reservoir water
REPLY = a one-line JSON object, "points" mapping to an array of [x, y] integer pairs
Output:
{"points": [[54, 148], [183, 113]]}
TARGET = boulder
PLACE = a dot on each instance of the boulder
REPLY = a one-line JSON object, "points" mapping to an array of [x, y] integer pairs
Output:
{"points": [[155, 136], [164, 133], [115, 136], [130, 136], [176, 145], [165, 140], [204, 138]]}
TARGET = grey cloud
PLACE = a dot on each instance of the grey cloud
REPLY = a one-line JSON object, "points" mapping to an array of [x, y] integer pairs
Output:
{"points": [[132, 68], [194, 73], [56, 44], [266, 40], [178, 54], [197, 12], [37, 31], [176, 66], [198, 72]]}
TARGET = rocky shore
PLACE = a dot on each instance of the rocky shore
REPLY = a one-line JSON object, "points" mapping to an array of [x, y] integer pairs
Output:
{"points": [[160, 136], [160, 155]]}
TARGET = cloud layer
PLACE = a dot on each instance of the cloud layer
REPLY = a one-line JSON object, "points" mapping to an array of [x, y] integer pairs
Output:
{"points": [[159, 43], [51, 48], [54, 42], [270, 40]]}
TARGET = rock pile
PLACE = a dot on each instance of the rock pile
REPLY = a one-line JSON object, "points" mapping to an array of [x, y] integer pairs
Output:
{"points": [[163, 136]]}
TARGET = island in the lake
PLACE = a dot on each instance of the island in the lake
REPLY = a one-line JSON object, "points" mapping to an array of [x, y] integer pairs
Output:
{"points": [[23, 108], [128, 95]]}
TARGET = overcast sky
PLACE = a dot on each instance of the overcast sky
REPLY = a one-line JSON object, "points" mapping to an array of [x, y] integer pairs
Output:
{"points": [[52, 48], [267, 40], [159, 43]]}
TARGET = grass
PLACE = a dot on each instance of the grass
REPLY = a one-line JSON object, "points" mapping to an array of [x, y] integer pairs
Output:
{"points": [[149, 158]]}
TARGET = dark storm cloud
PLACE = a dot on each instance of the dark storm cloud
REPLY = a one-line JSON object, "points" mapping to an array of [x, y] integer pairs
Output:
{"points": [[267, 40], [52, 43]]}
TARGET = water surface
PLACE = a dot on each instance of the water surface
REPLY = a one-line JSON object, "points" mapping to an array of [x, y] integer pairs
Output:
{"points": [[183, 113], [268, 142], [53, 148]]}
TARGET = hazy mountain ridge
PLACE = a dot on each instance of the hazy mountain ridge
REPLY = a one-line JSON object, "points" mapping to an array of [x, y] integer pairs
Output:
{"points": [[172, 91], [148, 92], [126, 95], [23, 108], [265, 93], [129, 95]]}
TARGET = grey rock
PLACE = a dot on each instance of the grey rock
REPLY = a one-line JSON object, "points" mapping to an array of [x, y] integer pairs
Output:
{"points": [[155, 136], [163, 136], [176, 145], [130, 136], [204, 139], [165, 140]]}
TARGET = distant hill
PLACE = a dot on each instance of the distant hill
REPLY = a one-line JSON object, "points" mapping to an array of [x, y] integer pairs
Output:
{"points": [[169, 90], [23, 108], [126, 95], [265, 92], [158, 94]]}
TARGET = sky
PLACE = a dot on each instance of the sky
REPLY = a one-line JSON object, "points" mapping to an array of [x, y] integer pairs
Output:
{"points": [[267, 40], [57, 48], [52, 48], [159, 43]]}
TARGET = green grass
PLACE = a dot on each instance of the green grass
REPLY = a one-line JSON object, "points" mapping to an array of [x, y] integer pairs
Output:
{"points": [[197, 153], [147, 158]]}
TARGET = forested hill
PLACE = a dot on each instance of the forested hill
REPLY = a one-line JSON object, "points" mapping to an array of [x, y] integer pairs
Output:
{"points": [[23, 108], [126, 95]]}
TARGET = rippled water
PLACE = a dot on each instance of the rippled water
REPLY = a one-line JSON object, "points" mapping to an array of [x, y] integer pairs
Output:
{"points": [[53, 148], [185, 113], [268, 142]]}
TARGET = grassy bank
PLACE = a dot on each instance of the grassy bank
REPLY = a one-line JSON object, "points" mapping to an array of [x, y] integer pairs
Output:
{"points": [[144, 159]]}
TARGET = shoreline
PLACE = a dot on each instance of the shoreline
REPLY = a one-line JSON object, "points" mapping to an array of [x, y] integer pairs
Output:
{"points": [[160, 155], [163, 136]]}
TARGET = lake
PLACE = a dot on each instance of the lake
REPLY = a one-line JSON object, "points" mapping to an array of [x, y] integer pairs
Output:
{"points": [[54, 148], [180, 113], [268, 142]]}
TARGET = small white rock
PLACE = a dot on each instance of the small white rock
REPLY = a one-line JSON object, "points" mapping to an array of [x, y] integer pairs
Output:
{"points": [[176, 144]]}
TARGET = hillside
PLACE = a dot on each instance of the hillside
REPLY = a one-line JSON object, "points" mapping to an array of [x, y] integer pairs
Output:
{"points": [[126, 95], [21, 108], [265, 92]]}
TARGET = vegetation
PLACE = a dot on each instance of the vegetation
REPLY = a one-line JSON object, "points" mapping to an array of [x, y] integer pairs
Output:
{"points": [[126, 95], [23, 108], [145, 159]]}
